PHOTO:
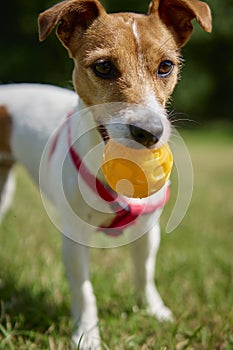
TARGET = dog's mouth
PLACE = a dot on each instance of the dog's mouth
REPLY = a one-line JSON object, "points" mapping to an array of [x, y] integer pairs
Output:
{"points": [[103, 132]]}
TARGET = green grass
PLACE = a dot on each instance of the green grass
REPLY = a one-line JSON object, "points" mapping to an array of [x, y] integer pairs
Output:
{"points": [[194, 273]]}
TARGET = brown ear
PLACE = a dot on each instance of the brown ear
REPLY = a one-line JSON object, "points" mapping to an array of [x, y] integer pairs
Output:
{"points": [[178, 14], [70, 15]]}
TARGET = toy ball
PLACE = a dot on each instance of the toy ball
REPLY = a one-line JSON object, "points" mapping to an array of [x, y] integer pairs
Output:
{"points": [[136, 173]]}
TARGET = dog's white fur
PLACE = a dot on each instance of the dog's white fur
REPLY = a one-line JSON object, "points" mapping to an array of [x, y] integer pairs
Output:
{"points": [[37, 110]]}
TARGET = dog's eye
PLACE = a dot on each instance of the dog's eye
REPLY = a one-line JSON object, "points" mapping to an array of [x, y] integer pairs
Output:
{"points": [[104, 69], [165, 68]]}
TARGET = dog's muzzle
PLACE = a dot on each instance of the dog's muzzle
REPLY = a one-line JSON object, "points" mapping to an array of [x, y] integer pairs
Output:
{"points": [[146, 127]]}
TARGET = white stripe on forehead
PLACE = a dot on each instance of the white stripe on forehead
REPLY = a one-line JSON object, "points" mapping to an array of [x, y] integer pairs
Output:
{"points": [[146, 88], [135, 32], [150, 99], [137, 39]]}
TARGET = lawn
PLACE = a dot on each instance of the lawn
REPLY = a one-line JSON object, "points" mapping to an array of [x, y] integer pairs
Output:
{"points": [[194, 274]]}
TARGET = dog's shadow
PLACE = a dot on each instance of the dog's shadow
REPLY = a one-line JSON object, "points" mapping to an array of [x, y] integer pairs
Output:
{"points": [[23, 309]]}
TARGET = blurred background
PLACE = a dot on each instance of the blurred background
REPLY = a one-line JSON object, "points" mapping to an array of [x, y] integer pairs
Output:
{"points": [[195, 265], [204, 94]]}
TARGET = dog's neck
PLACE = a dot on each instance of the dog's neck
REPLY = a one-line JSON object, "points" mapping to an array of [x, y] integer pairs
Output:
{"points": [[85, 137], [81, 105]]}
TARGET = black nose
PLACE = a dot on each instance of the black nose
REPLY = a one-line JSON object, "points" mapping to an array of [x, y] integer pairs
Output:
{"points": [[144, 137]]}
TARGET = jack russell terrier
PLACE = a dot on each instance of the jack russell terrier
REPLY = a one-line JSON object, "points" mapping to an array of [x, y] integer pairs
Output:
{"points": [[125, 58]]}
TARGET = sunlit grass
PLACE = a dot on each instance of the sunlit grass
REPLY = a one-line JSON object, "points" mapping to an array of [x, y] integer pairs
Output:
{"points": [[194, 273]]}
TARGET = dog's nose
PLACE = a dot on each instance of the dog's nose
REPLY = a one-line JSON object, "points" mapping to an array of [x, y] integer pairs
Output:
{"points": [[144, 137]]}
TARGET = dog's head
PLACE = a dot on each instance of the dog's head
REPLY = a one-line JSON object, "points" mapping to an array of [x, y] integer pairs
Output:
{"points": [[126, 57]]}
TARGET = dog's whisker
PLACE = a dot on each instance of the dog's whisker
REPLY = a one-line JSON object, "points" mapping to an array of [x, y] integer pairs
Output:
{"points": [[175, 117]]}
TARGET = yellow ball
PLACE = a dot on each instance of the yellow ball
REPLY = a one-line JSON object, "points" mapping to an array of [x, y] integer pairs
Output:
{"points": [[136, 173]]}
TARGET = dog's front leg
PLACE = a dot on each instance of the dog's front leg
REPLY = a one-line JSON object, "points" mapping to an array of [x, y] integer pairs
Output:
{"points": [[144, 252], [83, 303]]}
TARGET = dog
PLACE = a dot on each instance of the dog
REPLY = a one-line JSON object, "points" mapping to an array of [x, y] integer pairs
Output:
{"points": [[125, 59]]}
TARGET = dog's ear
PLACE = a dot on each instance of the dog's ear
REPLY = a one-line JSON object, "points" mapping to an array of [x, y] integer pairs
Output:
{"points": [[71, 16], [178, 14]]}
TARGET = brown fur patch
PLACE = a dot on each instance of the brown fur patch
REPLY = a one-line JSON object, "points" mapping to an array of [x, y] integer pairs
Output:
{"points": [[6, 157], [136, 61], [5, 130]]}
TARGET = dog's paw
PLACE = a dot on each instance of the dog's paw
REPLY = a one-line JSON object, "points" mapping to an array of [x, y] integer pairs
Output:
{"points": [[86, 339], [162, 313]]}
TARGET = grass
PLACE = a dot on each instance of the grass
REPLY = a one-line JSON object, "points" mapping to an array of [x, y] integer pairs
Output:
{"points": [[194, 271]]}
